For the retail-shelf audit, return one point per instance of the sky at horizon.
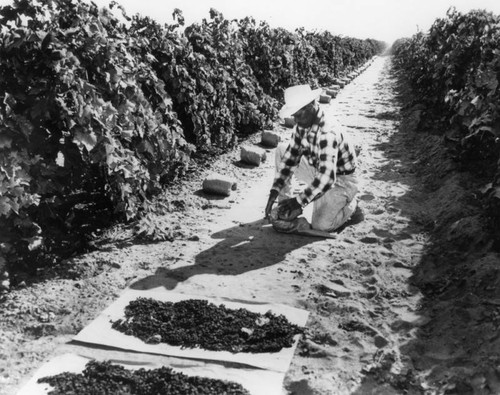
(385, 20)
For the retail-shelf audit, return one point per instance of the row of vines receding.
(455, 69)
(99, 111)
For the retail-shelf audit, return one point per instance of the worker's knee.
(329, 222)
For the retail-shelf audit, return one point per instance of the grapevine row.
(455, 69)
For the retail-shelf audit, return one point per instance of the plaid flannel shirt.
(325, 148)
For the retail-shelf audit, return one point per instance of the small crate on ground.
(218, 184)
(331, 92)
(325, 99)
(270, 138)
(252, 155)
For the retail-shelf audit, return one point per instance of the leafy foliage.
(81, 114)
(456, 68)
(214, 91)
(280, 58)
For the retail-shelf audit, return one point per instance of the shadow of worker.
(244, 248)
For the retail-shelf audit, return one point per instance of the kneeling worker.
(322, 156)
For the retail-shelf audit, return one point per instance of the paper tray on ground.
(255, 381)
(100, 331)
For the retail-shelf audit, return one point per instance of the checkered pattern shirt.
(325, 148)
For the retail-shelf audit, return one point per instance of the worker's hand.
(288, 207)
(272, 198)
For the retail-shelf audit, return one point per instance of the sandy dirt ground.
(406, 301)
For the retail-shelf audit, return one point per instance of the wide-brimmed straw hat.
(297, 97)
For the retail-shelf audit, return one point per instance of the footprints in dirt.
(333, 290)
(367, 197)
(358, 326)
(369, 240)
(363, 307)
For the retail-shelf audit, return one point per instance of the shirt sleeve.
(326, 170)
(291, 159)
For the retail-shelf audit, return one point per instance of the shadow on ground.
(239, 251)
